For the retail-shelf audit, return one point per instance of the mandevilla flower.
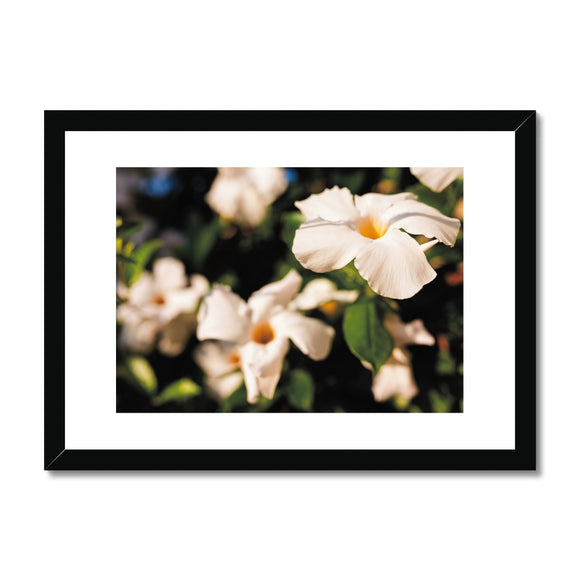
(161, 306)
(243, 194)
(341, 227)
(323, 294)
(437, 178)
(395, 377)
(260, 329)
(220, 362)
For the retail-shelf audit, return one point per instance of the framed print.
(294, 290)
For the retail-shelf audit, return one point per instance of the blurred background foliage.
(162, 212)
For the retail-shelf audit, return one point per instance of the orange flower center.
(372, 228)
(329, 307)
(262, 333)
(158, 300)
(234, 359)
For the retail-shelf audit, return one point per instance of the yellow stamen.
(371, 228)
(329, 307)
(262, 333)
(158, 300)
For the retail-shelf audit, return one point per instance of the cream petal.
(312, 336)
(223, 316)
(142, 292)
(178, 302)
(413, 332)
(223, 195)
(394, 265)
(278, 293)
(437, 178)
(169, 274)
(256, 361)
(319, 292)
(376, 203)
(175, 335)
(421, 219)
(222, 387)
(140, 335)
(395, 378)
(251, 208)
(217, 358)
(270, 182)
(336, 204)
(323, 246)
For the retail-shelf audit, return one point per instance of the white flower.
(243, 194)
(323, 294)
(395, 377)
(260, 329)
(341, 227)
(221, 363)
(161, 306)
(437, 178)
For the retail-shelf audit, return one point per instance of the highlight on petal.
(222, 387)
(437, 178)
(313, 337)
(336, 204)
(223, 316)
(394, 265)
(395, 378)
(377, 203)
(421, 219)
(270, 182)
(264, 359)
(322, 246)
(169, 274)
(278, 293)
(413, 332)
(319, 292)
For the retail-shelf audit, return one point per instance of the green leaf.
(237, 399)
(178, 391)
(300, 390)
(140, 258)
(142, 374)
(290, 223)
(441, 402)
(128, 228)
(126, 259)
(202, 237)
(366, 335)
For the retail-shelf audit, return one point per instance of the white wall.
(423, 55)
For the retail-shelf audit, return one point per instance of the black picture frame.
(522, 457)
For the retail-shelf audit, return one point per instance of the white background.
(91, 420)
(412, 55)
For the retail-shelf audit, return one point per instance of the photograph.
(289, 289)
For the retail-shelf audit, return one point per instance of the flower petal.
(270, 182)
(139, 335)
(421, 219)
(323, 246)
(278, 293)
(262, 366)
(141, 293)
(169, 274)
(175, 334)
(336, 204)
(312, 336)
(437, 178)
(217, 358)
(376, 203)
(395, 378)
(413, 332)
(223, 316)
(394, 265)
(222, 387)
(319, 292)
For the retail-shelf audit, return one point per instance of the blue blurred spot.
(158, 186)
(291, 174)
